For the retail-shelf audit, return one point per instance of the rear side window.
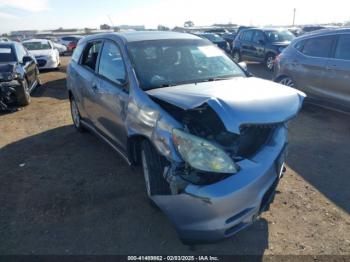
(319, 46)
(342, 50)
(90, 55)
(111, 64)
(259, 37)
(248, 36)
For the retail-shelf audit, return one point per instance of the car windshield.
(279, 36)
(162, 63)
(213, 37)
(37, 45)
(7, 54)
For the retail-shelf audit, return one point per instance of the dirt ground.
(62, 192)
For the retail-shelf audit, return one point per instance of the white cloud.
(28, 5)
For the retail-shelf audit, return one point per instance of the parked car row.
(261, 45)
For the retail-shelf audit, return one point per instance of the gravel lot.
(62, 192)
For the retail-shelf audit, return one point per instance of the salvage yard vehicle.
(19, 75)
(261, 45)
(215, 39)
(210, 139)
(45, 53)
(319, 65)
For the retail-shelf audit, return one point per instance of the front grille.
(253, 137)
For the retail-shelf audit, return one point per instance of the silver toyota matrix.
(211, 139)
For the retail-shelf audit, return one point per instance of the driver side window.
(90, 55)
(112, 64)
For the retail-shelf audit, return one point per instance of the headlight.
(201, 154)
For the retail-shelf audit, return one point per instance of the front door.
(112, 95)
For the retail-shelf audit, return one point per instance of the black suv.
(261, 45)
(19, 75)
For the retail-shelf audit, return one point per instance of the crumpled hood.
(237, 101)
(47, 52)
(7, 70)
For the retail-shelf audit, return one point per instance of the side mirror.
(243, 65)
(27, 59)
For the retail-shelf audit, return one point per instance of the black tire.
(76, 116)
(154, 164)
(269, 61)
(23, 94)
(236, 56)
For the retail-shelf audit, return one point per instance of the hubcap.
(146, 173)
(269, 62)
(75, 114)
(287, 81)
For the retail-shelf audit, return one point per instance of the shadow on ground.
(54, 89)
(322, 160)
(62, 192)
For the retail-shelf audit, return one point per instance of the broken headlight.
(201, 154)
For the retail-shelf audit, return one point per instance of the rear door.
(112, 95)
(312, 74)
(339, 72)
(88, 80)
(258, 45)
(246, 44)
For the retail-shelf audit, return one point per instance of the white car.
(45, 53)
(62, 49)
(4, 39)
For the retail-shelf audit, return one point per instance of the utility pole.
(294, 12)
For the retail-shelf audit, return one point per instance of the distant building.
(131, 27)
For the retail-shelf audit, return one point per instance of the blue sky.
(51, 14)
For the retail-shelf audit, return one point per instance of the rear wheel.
(76, 115)
(23, 94)
(287, 81)
(270, 61)
(153, 166)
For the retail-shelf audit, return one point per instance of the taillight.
(71, 45)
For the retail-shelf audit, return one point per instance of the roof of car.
(145, 36)
(7, 44)
(328, 31)
(36, 40)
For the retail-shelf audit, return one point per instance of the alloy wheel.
(287, 81)
(270, 62)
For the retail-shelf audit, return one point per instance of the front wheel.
(270, 62)
(23, 94)
(153, 167)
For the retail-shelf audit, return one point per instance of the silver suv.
(211, 140)
(319, 65)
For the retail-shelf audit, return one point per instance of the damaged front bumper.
(214, 212)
